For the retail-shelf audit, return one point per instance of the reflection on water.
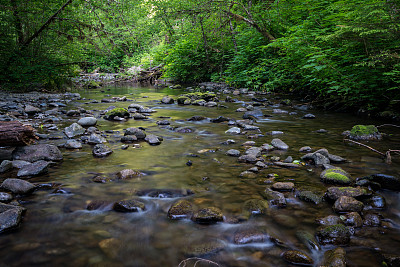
(59, 231)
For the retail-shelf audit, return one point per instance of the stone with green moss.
(199, 102)
(204, 248)
(183, 100)
(334, 193)
(92, 84)
(116, 112)
(310, 196)
(365, 132)
(335, 176)
(255, 206)
(181, 209)
(337, 234)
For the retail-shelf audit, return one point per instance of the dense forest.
(336, 50)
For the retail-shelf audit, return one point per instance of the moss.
(121, 112)
(92, 84)
(182, 99)
(335, 176)
(359, 130)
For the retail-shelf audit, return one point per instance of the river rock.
(165, 193)
(5, 166)
(283, 186)
(248, 159)
(252, 235)
(317, 158)
(305, 149)
(365, 132)
(131, 205)
(34, 169)
(163, 122)
(74, 130)
(31, 110)
(37, 152)
(310, 196)
(72, 144)
(205, 248)
(308, 239)
(140, 134)
(275, 198)
(347, 204)
(5, 197)
(352, 219)
(335, 258)
(233, 153)
(371, 219)
(182, 209)
(167, 100)
(297, 257)
(233, 130)
(279, 111)
(255, 206)
(255, 151)
(334, 193)
(337, 234)
(128, 139)
(386, 181)
(18, 186)
(19, 163)
(99, 205)
(279, 144)
(286, 165)
(101, 150)
(375, 202)
(139, 116)
(95, 139)
(335, 176)
(152, 139)
(111, 247)
(329, 220)
(128, 174)
(10, 217)
(87, 121)
(209, 215)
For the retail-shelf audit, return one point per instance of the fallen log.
(14, 133)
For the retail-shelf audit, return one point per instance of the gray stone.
(152, 139)
(72, 144)
(18, 186)
(347, 204)
(5, 197)
(101, 150)
(279, 144)
(34, 169)
(248, 158)
(317, 158)
(233, 153)
(275, 198)
(139, 116)
(87, 121)
(37, 152)
(233, 130)
(31, 110)
(136, 132)
(309, 116)
(74, 130)
(167, 100)
(19, 163)
(128, 138)
(305, 149)
(255, 151)
(10, 217)
(5, 165)
(95, 139)
(283, 186)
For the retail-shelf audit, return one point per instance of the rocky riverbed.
(130, 176)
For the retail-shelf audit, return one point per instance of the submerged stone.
(310, 196)
(182, 209)
(252, 235)
(209, 215)
(205, 248)
(334, 235)
(255, 206)
(347, 204)
(335, 258)
(308, 239)
(101, 150)
(131, 205)
(352, 219)
(297, 257)
(165, 193)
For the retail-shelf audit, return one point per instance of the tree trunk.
(14, 133)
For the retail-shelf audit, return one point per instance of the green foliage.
(359, 130)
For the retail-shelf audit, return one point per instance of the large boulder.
(279, 144)
(74, 130)
(34, 169)
(37, 152)
(167, 100)
(87, 121)
(10, 217)
(18, 186)
(140, 134)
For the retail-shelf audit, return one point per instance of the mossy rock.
(116, 112)
(183, 100)
(310, 196)
(199, 249)
(199, 102)
(337, 234)
(181, 209)
(92, 84)
(297, 257)
(255, 206)
(131, 205)
(365, 132)
(335, 176)
(208, 216)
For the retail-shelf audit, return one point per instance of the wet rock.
(266, 148)
(100, 179)
(5, 166)
(73, 113)
(286, 165)
(140, 134)
(163, 122)
(371, 219)
(18, 186)
(247, 174)
(337, 234)
(352, 219)
(233, 130)
(233, 153)
(329, 220)
(128, 174)
(289, 159)
(335, 176)
(253, 114)
(167, 100)
(101, 150)
(279, 144)
(116, 114)
(95, 139)
(201, 249)
(34, 169)
(5, 197)
(248, 159)
(317, 158)
(305, 149)
(184, 130)
(165, 193)
(310, 196)
(152, 139)
(283, 186)
(255, 206)
(386, 181)
(308, 239)
(391, 260)
(131, 205)
(297, 257)
(255, 151)
(111, 247)
(248, 236)
(275, 198)
(128, 139)
(279, 111)
(334, 193)
(139, 116)
(375, 202)
(99, 205)
(209, 215)
(365, 132)
(309, 116)
(6, 153)
(10, 217)
(37, 152)
(19, 163)
(31, 110)
(335, 258)
(87, 121)
(182, 209)
(347, 204)
(72, 144)
(253, 169)
(261, 165)
(74, 130)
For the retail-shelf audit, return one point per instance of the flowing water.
(58, 230)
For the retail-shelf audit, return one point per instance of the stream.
(59, 230)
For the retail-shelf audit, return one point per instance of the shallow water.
(57, 230)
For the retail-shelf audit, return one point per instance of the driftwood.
(14, 133)
(150, 75)
(387, 155)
